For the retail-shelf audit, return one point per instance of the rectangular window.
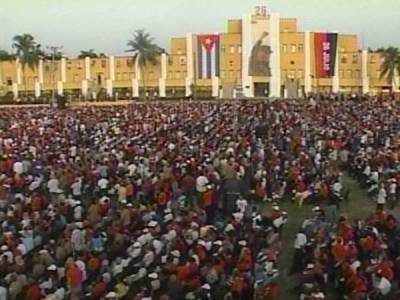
(222, 74)
(129, 63)
(357, 74)
(355, 59)
(293, 48)
(284, 48)
(341, 73)
(177, 75)
(292, 73)
(103, 63)
(232, 49)
(92, 62)
(118, 64)
(170, 74)
(300, 48)
(343, 60)
(76, 78)
(170, 61)
(182, 60)
(222, 49)
(239, 49)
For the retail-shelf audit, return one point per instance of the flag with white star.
(208, 56)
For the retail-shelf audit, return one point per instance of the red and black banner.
(325, 48)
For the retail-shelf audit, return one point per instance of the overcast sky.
(106, 25)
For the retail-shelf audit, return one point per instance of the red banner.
(325, 48)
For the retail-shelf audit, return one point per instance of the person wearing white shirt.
(18, 168)
(299, 245)
(381, 197)
(77, 189)
(52, 185)
(382, 284)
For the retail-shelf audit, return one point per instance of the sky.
(106, 25)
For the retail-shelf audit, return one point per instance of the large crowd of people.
(165, 201)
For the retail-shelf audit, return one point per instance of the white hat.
(229, 228)
(168, 218)
(152, 224)
(4, 248)
(111, 295)
(52, 268)
(137, 245)
(153, 275)
(218, 243)
(79, 224)
(206, 287)
(242, 243)
(176, 253)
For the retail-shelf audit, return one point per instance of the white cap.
(229, 228)
(153, 275)
(242, 243)
(111, 295)
(218, 243)
(206, 287)
(176, 253)
(152, 224)
(52, 268)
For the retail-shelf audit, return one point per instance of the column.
(215, 86)
(63, 70)
(40, 71)
(135, 87)
(275, 61)
(335, 78)
(247, 84)
(84, 87)
(60, 88)
(364, 72)
(307, 63)
(37, 88)
(189, 64)
(18, 65)
(15, 90)
(109, 87)
(109, 83)
(87, 67)
(163, 79)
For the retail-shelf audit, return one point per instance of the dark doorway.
(261, 89)
(98, 79)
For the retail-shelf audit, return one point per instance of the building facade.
(261, 54)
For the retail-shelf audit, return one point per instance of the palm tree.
(390, 67)
(145, 51)
(27, 51)
(87, 53)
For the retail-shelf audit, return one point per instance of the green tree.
(145, 51)
(5, 55)
(88, 53)
(27, 51)
(390, 67)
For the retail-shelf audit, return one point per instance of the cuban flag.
(208, 56)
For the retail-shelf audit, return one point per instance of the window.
(9, 81)
(117, 76)
(300, 48)
(170, 61)
(182, 60)
(293, 48)
(222, 74)
(170, 74)
(231, 74)
(179, 51)
(177, 75)
(76, 78)
(129, 63)
(341, 73)
(222, 48)
(357, 74)
(355, 59)
(118, 64)
(103, 63)
(284, 48)
(292, 73)
(92, 62)
(349, 74)
(232, 49)
(344, 59)
(151, 75)
(239, 49)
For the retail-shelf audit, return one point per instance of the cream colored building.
(291, 64)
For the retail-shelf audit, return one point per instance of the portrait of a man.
(260, 56)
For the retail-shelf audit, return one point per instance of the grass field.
(358, 206)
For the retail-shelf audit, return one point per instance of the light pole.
(54, 50)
